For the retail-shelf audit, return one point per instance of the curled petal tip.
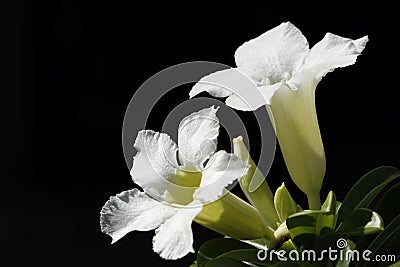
(361, 43)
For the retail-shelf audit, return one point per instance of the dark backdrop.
(73, 67)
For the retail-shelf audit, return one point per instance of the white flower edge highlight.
(132, 210)
(154, 166)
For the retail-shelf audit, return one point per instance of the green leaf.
(361, 222)
(305, 226)
(391, 247)
(385, 206)
(227, 250)
(225, 263)
(258, 242)
(366, 189)
(325, 241)
(250, 255)
(389, 236)
(386, 210)
(194, 264)
(396, 264)
(292, 264)
(216, 247)
(345, 262)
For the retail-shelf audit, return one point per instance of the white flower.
(282, 73)
(279, 58)
(188, 185)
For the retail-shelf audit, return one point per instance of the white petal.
(174, 239)
(268, 91)
(221, 170)
(241, 90)
(216, 84)
(155, 162)
(262, 98)
(361, 43)
(273, 55)
(332, 52)
(197, 137)
(239, 103)
(132, 210)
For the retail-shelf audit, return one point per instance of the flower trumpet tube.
(233, 217)
(296, 125)
(284, 73)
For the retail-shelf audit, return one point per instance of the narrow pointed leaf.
(216, 247)
(366, 189)
(390, 234)
(250, 255)
(386, 210)
(385, 206)
(227, 250)
(224, 262)
(361, 222)
(391, 247)
(389, 243)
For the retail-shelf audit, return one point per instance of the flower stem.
(314, 201)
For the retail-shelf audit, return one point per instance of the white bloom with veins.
(282, 72)
(189, 185)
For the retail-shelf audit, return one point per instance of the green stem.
(314, 201)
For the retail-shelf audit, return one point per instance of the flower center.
(284, 78)
(187, 178)
(185, 184)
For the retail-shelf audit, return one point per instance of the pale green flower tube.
(233, 217)
(296, 125)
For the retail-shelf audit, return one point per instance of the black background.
(73, 67)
